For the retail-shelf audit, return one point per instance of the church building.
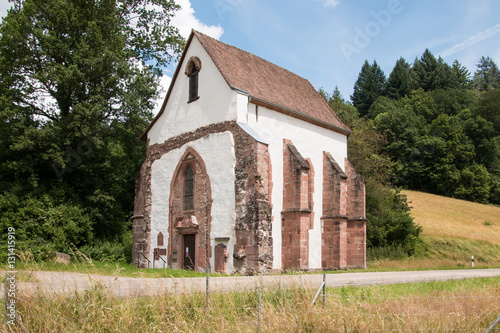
(246, 172)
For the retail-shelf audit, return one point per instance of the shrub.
(41, 226)
(390, 224)
(119, 250)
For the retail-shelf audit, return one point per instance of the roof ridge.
(270, 83)
(252, 55)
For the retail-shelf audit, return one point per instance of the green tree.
(489, 107)
(79, 79)
(390, 224)
(437, 145)
(487, 75)
(430, 73)
(369, 85)
(453, 101)
(460, 76)
(399, 82)
(347, 113)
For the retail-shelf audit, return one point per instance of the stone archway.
(190, 214)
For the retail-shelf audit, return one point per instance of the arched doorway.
(190, 214)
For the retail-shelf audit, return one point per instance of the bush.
(41, 226)
(111, 251)
(394, 252)
(390, 224)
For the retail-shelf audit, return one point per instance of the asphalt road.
(65, 282)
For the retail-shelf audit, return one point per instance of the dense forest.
(79, 80)
(428, 127)
(78, 83)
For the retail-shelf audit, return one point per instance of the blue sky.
(327, 41)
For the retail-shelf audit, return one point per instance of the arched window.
(192, 69)
(193, 85)
(189, 189)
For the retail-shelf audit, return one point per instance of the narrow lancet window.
(193, 86)
(192, 72)
(189, 189)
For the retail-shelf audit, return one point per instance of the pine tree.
(461, 77)
(430, 73)
(399, 82)
(337, 94)
(487, 75)
(369, 85)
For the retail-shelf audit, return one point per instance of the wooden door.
(189, 251)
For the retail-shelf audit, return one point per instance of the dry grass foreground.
(459, 306)
(446, 217)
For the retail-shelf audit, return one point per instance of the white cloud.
(329, 3)
(471, 41)
(4, 6)
(185, 20)
(164, 84)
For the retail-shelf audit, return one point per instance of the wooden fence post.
(260, 310)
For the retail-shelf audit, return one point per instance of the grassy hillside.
(453, 231)
(446, 217)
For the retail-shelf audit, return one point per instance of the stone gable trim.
(302, 162)
(189, 68)
(335, 165)
(156, 151)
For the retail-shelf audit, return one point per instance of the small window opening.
(193, 83)
(189, 189)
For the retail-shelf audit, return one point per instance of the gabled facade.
(246, 171)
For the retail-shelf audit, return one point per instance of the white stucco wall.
(311, 141)
(217, 102)
(217, 151)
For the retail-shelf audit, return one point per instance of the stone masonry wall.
(141, 221)
(253, 251)
(296, 214)
(334, 218)
(253, 246)
(356, 225)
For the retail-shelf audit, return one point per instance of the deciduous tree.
(79, 79)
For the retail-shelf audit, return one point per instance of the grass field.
(452, 218)
(453, 231)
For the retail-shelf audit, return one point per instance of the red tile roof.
(267, 84)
